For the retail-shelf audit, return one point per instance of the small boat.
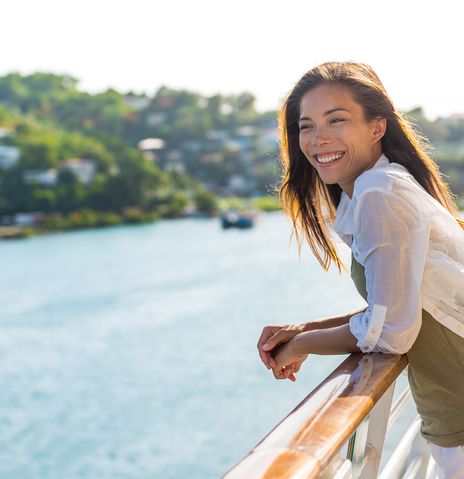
(234, 219)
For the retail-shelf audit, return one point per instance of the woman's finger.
(282, 335)
(265, 356)
(267, 332)
(287, 372)
(276, 339)
(284, 373)
(296, 366)
(270, 361)
(267, 359)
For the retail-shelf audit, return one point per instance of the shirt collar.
(343, 224)
(381, 162)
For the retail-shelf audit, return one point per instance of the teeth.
(328, 158)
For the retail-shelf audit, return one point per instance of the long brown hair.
(303, 194)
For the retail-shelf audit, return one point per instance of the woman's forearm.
(333, 340)
(331, 322)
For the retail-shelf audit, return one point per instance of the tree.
(206, 202)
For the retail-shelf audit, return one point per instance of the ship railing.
(338, 431)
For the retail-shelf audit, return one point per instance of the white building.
(28, 219)
(9, 156)
(222, 135)
(84, 170)
(268, 139)
(4, 132)
(155, 119)
(151, 144)
(238, 183)
(137, 102)
(41, 177)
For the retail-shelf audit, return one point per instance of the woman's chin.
(328, 179)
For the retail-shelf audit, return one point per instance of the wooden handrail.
(305, 441)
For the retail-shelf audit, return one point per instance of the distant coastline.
(85, 219)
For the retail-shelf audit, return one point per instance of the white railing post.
(378, 424)
(357, 447)
(418, 459)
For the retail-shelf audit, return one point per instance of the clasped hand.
(276, 349)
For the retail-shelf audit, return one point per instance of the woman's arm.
(392, 240)
(332, 340)
(336, 340)
(392, 235)
(330, 322)
(273, 336)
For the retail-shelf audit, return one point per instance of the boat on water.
(235, 219)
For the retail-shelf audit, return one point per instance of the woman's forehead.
(325, 98)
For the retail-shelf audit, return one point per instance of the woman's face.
(335, 137)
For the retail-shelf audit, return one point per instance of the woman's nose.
(321, 137)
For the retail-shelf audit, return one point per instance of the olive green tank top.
(435, 374)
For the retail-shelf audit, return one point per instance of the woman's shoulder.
(389, 190)
(383, 177)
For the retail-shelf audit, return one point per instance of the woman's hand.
(272, 336)
(287, 361)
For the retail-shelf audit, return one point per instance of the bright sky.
(261, 46)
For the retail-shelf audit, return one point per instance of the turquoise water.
(130, 352)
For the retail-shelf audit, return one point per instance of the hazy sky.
(260, 46)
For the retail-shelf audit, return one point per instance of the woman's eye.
(305, 127)
(337, 120)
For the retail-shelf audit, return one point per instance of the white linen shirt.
(412, 249)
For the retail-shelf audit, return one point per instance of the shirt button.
(356, 254)
(373, 330)
(365, 348)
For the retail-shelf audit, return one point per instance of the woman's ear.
(379, 126)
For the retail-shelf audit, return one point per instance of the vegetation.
(204, 154)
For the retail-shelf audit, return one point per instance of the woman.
(349, 155)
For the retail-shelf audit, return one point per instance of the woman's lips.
(331, 161)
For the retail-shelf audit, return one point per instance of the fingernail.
(266, 346)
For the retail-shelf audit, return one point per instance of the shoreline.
(22, 232)
(87, 219)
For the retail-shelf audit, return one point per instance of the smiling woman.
(338, 142)
(349, 155)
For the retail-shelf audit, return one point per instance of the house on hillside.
(41, 177)
(83, 169)
(5, 131)
(29, 219)
(9, 156)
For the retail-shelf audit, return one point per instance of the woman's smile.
(335, 137)
(327, 159)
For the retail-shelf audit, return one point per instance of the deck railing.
(338, 430)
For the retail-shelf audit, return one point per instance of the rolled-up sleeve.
(391, 240)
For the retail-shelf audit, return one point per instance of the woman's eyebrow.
(328, 112)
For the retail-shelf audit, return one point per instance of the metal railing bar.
(397, 462)
(399, 405)
(431, 469)
(357, 447)
(344, 472)
(414, 467)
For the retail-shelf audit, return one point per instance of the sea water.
(130, 352)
